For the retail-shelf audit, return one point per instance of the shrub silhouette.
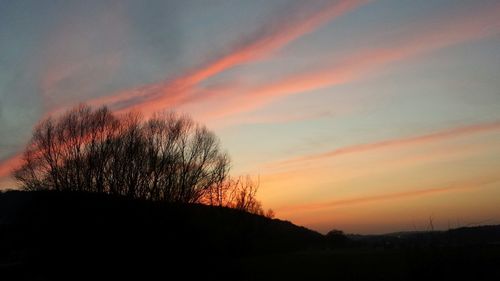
(336, 238)
(165, 158)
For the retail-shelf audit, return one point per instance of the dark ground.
(76, 236)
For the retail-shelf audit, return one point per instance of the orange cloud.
(450, 133)
(274, 37)
(472, 184)
(423, 39)
(8, 165)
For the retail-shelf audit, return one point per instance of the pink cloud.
(165, 94)
(420, 40)
(245, 98)
(8, 165)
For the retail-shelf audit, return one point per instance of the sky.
(365, 116)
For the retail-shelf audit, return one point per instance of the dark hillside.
(85, 236)
(51, 234)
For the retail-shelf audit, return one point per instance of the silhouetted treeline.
(164, 158)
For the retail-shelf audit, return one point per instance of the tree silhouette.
(336, 238)
(245, 198)
(238, 193)
(167, 157)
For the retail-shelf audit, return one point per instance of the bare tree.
(167, 157)
(270, 213)
(246, 191)
(68, 152)
(238, 193)
(222, 194)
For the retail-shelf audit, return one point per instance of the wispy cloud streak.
(472, 184)
(270, 39)
(432, 137)
(419, 40)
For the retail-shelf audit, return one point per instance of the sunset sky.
(365, 116)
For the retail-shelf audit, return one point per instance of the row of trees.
(164, 158)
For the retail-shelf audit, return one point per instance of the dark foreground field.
(467, 263)
(75, 236)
